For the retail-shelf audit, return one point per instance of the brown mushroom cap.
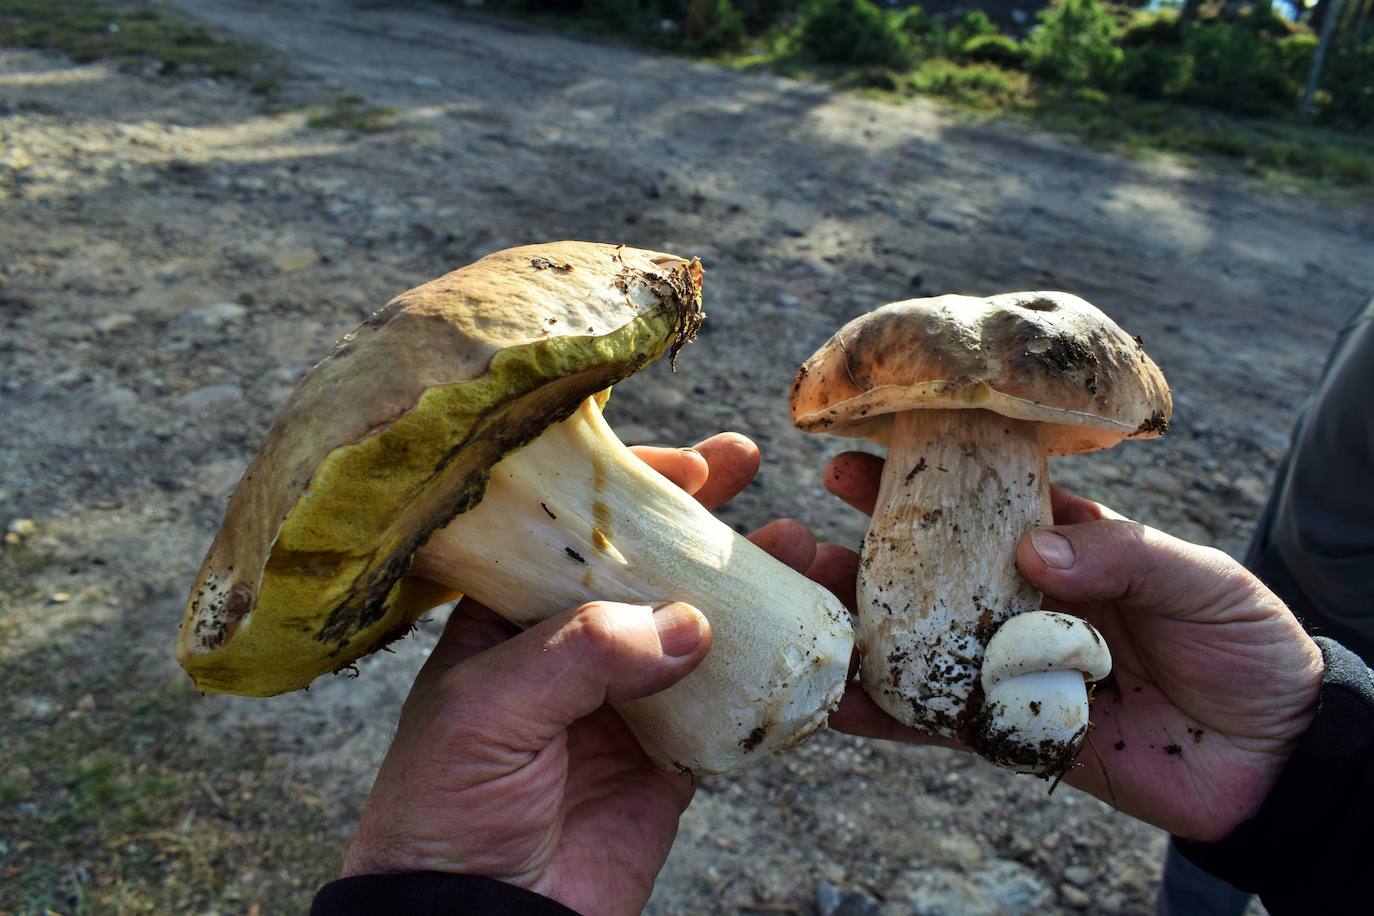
(1040, 356)
(394, 433)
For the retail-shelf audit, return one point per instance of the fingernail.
(1055, 550)
(679, 628)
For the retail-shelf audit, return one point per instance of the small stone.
(349, 296)
(1072, 896)
(1015, 888)
(1160, 480)
(943, 221)
(68, 378)
(635, 434)
(1131, 878)
(666, 398)
(1254, 490)
(116, 400)
(787, 303)
(40, 709)
(843, 901)
(210, 396)
(295, 259)
(59, 597)
(22, 528)
(212, 316)
(998, 887)
(1078, 875)
(108, 324)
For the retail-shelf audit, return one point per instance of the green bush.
(917, 22)
(980, 85)
(853, 32)
(1002, 50)
(1159, 28)
(1236, 68)
(973, 24)
(1154, 71)
(1348, 78)
(710, 26)
(761, 15)
(1074, 44)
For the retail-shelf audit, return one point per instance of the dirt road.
(174, 253)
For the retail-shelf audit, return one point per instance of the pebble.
(999, 887)
(844, 901)
(943, 221)
(1078, 875)
(1254, 490)
(1072, 896)
(1170, 483)
(295, 259)
(22, 528)
(213, 316)
(209, 396)
(635, 434)
(40, 709)
(787, 303)
(665, 398)
(108, 324)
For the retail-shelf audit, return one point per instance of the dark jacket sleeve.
(426, 893)
(1307, 849)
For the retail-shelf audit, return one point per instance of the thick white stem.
(938, 575)
(575, 517)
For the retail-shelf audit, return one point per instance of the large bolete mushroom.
(454, 443)
(970, 396)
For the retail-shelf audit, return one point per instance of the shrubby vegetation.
(1223, 82)
(1251, 63)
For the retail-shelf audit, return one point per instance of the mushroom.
(970, 396)
(454, 443)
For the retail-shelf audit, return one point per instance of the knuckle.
(595, 629)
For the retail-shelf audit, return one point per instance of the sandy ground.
(174, 253)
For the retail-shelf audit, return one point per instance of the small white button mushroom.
(1035, 700)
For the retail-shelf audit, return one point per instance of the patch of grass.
(352, 112)
(130, 33)
(110, 802)
(1284, 150)
(976, 85)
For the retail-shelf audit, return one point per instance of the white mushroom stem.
(575, 517)
(939, 576)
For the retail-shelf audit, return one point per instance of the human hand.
(507, 762)
(1213, 680)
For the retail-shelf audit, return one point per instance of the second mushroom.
(970, 396)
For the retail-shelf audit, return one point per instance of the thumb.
(536, 684)
(1134, 566)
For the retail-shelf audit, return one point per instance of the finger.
(1134, 566)
(836, 568)
(788, 540)
(472, 628)
(1071, 509)
(733, 460)
(854, 478)
(523, 692)
(857, 714)
(685, 467)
